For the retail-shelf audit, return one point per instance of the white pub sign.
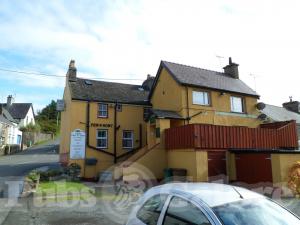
(77, 144)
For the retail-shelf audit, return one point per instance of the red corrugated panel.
(206, 136)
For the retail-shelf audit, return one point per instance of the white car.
(207, 204)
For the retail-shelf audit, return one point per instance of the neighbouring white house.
(13, 116)
(9, 130)
(21, 112)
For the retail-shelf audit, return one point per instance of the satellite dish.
(260, 105)
(262, 116)
(88, 82)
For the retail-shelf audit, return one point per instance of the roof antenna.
(241, 196)
(220, 59)
(254, 78)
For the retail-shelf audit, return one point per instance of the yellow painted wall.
(169, 95)
(230, 166)
(185, 159)
(155, 161)
(202, 166)
(219, 112)
(74, 117)
(281, 163)
(129, 118)
(195, 162)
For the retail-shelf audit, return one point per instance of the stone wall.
(30, 138)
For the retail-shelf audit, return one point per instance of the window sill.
(238, 112)
(202, 105)
(102, 148)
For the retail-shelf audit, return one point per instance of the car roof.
(212, 194)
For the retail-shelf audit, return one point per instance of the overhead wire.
(61, 76)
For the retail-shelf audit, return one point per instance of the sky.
(126, 39)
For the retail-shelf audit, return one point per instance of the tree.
(47, 118)
(49, 112)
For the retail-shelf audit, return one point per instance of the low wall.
(195, 162)
(153, 162)
(281, 164)
(30, 138)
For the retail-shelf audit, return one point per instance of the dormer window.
(201, 98)
(102, 110)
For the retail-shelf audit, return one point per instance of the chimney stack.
(10, 100)
(293, 106)
(72, 71)
(232, 69)
(147, 84)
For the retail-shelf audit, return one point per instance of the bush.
(30, 128)
(11, 149)
(33, 176)
(73, 170)
(294, 178)
(46, 175)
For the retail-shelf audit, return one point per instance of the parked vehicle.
(207, 203)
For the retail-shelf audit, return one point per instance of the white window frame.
(102, 138)
(131, 138)
(234, 108)
(205, 98)
(101, 110)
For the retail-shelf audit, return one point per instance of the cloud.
(127, 39)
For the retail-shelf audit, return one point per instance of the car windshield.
(255, 212)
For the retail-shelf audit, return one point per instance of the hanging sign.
(77, 144)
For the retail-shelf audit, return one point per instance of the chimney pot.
(232, 69)
(72, 71)
(293, 106)
(10, 100)
(72, 64)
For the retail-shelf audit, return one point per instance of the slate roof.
(193, 76)
(84, 89)
(165, 114)
(18, 110)
(5, 121)
(277, 113)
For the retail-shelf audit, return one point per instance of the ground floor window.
(127, 139)
(101, 138)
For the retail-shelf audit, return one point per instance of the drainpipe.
(115, 133)
(88, 131)
(187, 105)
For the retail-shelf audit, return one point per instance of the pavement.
(13, 168)
(105, 209)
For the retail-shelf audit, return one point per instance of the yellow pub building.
(125, 124)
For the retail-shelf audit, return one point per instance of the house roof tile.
(18, 110)
(193, 76)
(91, 90)
(278, 113)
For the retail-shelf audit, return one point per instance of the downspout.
(88, 131)
(187, 105)
(115, 133)
(134, 149)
